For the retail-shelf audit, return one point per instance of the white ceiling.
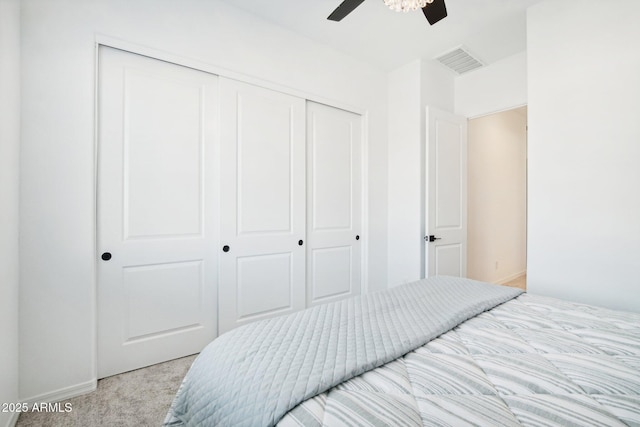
(489, 29)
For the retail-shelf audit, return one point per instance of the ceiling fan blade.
(345, 8)
(435, 11)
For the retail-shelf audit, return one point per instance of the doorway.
(497, 198)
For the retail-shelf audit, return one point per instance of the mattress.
(439, 352)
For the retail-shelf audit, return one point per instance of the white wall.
(496, 87)
(405, 169)
(411, 88)
(497, 197)
(9, 202)
(584, 151)
(437, 87)
(57, 310)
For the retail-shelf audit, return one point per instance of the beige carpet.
(137, 398)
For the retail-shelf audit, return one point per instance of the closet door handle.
(357, 237)
(225, 248)
(300, 243)
(106, 256)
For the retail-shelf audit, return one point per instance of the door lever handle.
(431, 238)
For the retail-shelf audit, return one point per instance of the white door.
(155, 216)
(262, 269)
(446, 239)
(334, 140)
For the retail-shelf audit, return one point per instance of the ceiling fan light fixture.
(406, 5)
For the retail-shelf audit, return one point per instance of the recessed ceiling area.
(491, 29)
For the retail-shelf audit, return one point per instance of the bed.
(442, 351)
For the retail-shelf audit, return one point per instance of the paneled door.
(446, 250)
(157, 272)
(262, 253)
(334, 143)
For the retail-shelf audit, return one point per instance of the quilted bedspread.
(531, 361)
(255, 374)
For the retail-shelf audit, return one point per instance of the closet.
(218, 203)
(290, 203)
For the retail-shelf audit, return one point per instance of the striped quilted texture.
(255, 374)
(531, 361)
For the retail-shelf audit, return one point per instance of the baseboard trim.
(13, 419)
(64, 393)
(511, 277)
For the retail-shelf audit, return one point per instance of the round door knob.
(225, 248)
(106, 256)
(357, 237)
(300, 243)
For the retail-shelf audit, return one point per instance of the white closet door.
(262, 267)
(334, 141)
(157, 263)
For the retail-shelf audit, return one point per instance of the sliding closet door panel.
(334, 139)
(262, 264)
(156, 188)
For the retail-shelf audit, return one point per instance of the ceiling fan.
(434, 11)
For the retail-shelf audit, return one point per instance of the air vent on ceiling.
(459, 60)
